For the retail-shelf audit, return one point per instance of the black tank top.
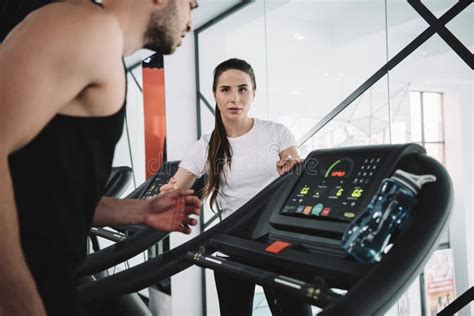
(58, 180)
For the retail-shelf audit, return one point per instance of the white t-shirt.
(254, 157)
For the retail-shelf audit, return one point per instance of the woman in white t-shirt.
(240, 157)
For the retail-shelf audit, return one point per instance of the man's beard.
(159, 35)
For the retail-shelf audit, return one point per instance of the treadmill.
(288, 236)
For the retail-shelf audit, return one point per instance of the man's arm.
(167, 212)
(41, 70)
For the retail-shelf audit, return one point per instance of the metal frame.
(410, 48)
(458, 303)
(443, 32)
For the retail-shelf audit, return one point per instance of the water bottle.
(367, 236)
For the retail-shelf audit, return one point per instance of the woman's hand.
(172, 210)
(286, 164)
(170, 186)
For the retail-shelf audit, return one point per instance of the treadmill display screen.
(153, 189)
(332, 188)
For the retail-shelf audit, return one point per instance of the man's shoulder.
(78, 25)
(86, 13)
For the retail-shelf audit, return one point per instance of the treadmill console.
(153, 189)
(334, 189)
(161, 177)
(334, 186)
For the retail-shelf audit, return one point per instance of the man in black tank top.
(57, 139)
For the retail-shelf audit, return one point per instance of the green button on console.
(317, 209)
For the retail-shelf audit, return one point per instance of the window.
(427, 128)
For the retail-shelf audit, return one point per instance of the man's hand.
(286, 164)
(171, 211)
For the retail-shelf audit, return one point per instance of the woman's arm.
(182, 179)
(288, 159)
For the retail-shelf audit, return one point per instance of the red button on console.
(277, 246)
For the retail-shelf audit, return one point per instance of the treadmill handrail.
(315, 293)
(107, 234)
(170, 262)
(120, 251)
(298, 260)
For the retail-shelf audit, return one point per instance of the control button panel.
(334, 190)
(367, 170)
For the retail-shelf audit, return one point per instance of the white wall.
(181, 130)
(180, 95)
(471, 184)
(134, 151)
(459, 140)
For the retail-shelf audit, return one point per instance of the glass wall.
(309, 56)
(241, 35)
(318, 53)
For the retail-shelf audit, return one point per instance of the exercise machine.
(287, 237)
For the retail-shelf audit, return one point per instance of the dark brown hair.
(219, 152)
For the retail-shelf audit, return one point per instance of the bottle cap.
(412, 181)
